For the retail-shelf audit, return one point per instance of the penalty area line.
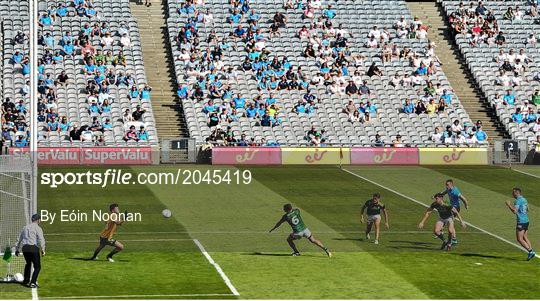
(425, 205)
(217, 267)
(137, 296)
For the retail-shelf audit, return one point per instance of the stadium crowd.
(341, 71)
(103, 64)
(480, 26)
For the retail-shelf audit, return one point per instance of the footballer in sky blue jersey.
(455, 196)
(520, 208)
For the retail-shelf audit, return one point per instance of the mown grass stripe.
(137, 296)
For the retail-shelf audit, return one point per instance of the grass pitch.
(231, 221)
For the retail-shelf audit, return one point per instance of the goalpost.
(18, 173)
(16, 207)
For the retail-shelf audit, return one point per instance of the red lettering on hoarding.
(317, 156)
(455, 156)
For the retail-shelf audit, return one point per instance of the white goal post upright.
(18, 172)
(34, 28)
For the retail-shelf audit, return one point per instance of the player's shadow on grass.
(98, 260)
(416, 245)
(350, 239)
(486, 256)
(480, 255)
(425, 248)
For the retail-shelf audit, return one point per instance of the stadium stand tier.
(90, 72)
(265, 72)
(498, 41)
(207, 36)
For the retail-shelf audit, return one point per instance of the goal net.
(15, 210)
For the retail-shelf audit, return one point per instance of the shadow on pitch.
(476, 255)
(414, 245)
(350, 239)
(480, 255)
(423, 248)
(98, 260)
(277, 254)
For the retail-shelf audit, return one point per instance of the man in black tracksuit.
(31, 240)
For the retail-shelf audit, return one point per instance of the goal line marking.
(425, 205)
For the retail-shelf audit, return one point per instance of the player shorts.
(458, 209)
(522, 226)
(373, 218)
(107, 242)
(304, 233)
(446, 221)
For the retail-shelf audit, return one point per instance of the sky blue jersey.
(453, 195)
(522, 209)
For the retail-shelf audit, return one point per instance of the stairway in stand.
(455, 68)
(157, 58)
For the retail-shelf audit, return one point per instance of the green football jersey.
(295, 220)
(372, 208)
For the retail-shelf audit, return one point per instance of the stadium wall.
(348, 156)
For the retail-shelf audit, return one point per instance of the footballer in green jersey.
(446, 218)
(373, 209)
(293, 218)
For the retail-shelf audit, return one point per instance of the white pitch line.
(139, 296)
(525, 173)
(217, 267)
(425, 205)
(35, 294)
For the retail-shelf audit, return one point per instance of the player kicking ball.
(106, 236)
(446, 213)
(520, 208)
(373, 210)
(292, 216)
